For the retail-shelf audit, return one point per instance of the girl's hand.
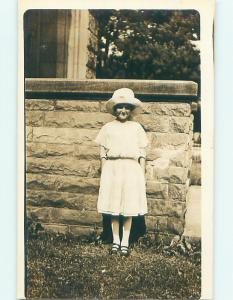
(142, 163)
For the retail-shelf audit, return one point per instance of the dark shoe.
(124, 251)
(115, 248)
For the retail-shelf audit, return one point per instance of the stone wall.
(62, 161)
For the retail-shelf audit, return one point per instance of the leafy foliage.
(148, 44)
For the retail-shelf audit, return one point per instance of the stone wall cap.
(104, 88)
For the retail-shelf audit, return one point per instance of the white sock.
(126, 231)
(115, 230)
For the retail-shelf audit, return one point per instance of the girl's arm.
(142, 162)
(103, 156)
(143, 142)
(103, 160)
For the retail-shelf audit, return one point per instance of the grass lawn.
(64, 267)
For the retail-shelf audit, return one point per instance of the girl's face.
(123, 112)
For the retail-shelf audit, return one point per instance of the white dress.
(122, 183)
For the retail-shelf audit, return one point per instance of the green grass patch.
(61, 266)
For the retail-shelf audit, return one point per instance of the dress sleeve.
(142, 152)
(101, 138)
(142, 137)
(142, 141)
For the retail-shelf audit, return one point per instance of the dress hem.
(121, 214)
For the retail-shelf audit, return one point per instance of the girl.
(122, 150)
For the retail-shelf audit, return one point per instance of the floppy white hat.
(126, 96)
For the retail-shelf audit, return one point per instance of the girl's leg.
(115, 230)
(126, 231)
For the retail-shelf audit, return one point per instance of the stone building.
(60, 44)
(64, 109)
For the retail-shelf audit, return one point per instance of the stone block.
(153, 154)
(175, 225)
(161, 163)
(164, 224)
(149, 175)
(34, 118)
(180, 124)
(103, 106)
(163, 173)
(64, 135)
(56, 228)
(37, 104)
(78, 230)
(75, 217)
(72, 119)
(87, 152)
(175, 141)
(178, 158)
(156, 223)
(39, 214)
(171, 89)
(61, 199)
(41, 182)
(158, 170)
(42, 150)
(167, 109)
(28, 133)
(178, 175)
(177, 192)
(63, 166)
(156, 189)
(150, 136)
(153, 123)
(158, 207)
(77, 105)
(72, 184)
(65, 216)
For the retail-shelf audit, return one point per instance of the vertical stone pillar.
(63, 28)
(82, 43)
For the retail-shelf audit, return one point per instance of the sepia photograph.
(112, 191)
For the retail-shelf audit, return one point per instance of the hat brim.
(134, 102)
